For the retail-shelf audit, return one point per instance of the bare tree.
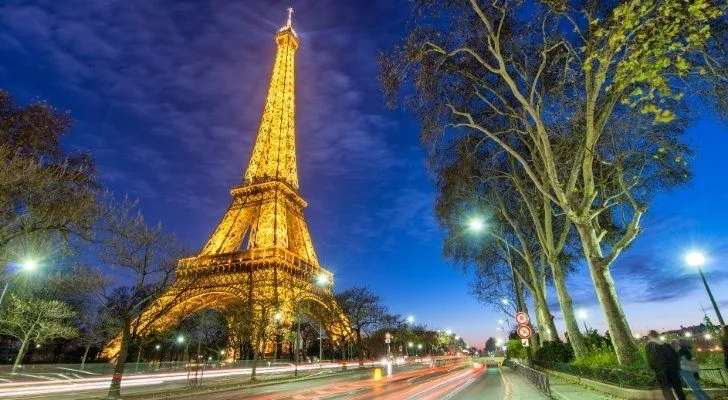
(365, 312)
(146, 257)
(586, 97)
(45, 192)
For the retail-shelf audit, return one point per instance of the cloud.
(181, 89)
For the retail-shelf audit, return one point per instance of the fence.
(715, 376)
(537, 379)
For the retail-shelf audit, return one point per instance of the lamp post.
(582, 315)
(697, 260)
(28, 265)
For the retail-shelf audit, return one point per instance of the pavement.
(564, 390)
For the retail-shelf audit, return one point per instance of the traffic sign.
(521, 318)
(524, 342)
(524, 331)
(387, 337)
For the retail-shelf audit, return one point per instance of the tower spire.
(274, 153)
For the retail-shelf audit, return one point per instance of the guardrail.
(537, 379)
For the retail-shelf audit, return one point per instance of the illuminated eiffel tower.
(261, 251)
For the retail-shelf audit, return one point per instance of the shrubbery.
(557, 351)
(514, 349)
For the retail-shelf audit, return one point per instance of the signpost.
(524, 331)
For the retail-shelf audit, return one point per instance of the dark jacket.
(661, 356)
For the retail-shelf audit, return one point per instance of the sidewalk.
(564, 390)
(518, 388)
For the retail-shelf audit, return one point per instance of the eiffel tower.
(261, 251)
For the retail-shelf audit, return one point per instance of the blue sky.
(168, 96)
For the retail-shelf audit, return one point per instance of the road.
(458, 382)
(462, 380)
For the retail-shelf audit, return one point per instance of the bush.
(557, 351)
(599, 356)
(514, 349)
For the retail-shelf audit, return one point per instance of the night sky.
(168, 96)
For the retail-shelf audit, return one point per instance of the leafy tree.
(31, 319)
(45, 192)
(490, 345)
(365, 311)
(586, 97)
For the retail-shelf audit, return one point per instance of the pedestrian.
(724, 343)
(663, 360)
(689, 370)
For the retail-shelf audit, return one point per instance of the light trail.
(17, 389)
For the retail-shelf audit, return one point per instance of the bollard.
(377, 374)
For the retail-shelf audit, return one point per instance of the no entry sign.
(521, 318)
(524, 331)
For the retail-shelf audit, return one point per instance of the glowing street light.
(410, 344)
(476, 224)
(708, 336)
(504, 302)
(582, 315)
(500, 321)
(157, 347)
(688, 334)
(180, 339)
(697, 260)
(448, 332)
(322, 280)
(410, 319)
(277, 316)
(29, 265)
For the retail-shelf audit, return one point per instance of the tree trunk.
(85, 355)
(115, 386)
(361, 350)
(138, 357)
(567, 310)
(547, 328)
(619, 330)
(21, 354)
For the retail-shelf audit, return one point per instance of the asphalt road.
(462, 380)
(450, 382)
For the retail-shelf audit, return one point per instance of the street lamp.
(410, 319)
(582, 315)
(27, 265)
(277, 316)
(476, 224)
(322, 280)
(448, 332)
(697, 260)
(504, 302)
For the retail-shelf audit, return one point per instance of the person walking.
(724, 343)
(664, 361)
(689, 370)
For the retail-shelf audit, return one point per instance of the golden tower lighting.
(261, 251)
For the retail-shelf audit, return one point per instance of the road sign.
(524, 331)
(521, 318)
(524, 342)
(387, 337)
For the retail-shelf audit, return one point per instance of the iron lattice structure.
(261, 252)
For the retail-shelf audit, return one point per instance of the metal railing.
(537, 379)
(716, 376)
